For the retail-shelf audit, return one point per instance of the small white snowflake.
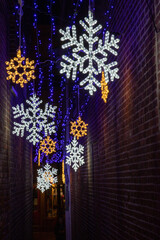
(76, 152)
(34, 120)
(46, 177)
(91, 61)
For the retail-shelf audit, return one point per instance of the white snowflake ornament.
(46, 177)
(90, 61)
(76, 152)
(34, 120)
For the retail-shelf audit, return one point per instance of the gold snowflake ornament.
(104, 88)
(78, 128)
(47, 145)
(20, 70)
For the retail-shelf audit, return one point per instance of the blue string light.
(37, 46)
(50, 49)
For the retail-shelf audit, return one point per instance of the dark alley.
(80, 119)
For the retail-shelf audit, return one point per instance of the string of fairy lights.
(76, 103)
(63, 121)
(50, 4)
(38, 43)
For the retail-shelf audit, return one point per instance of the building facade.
(15, 152)
(115, 195)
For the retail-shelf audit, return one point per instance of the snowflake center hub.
(90, 54)
(20, 70)
(34, 119)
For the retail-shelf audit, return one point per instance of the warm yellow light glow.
(20, 70)
(104, 88)
(47, 145)
(39, 155)
(48, 176)
(63, 175)
(78, 128)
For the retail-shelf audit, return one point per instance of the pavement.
(44, 236)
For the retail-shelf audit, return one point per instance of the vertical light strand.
(38, 66)
(78, 99)
(50, 49)
(37, 51)
(66, 117)
(20, 18)
(17, 13)
(91, 6)
(108, 15)
(51, 64)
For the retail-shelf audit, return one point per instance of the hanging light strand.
(21, 4)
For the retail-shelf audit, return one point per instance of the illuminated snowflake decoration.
(76, 152)
(46, 177)
(47, 146)
(93, 60)
(20, 70)
(104, 88)
(34, 120)
(78, 128)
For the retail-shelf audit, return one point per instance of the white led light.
(34, 120)
(46, 177)
(96, 57)
(76, 152)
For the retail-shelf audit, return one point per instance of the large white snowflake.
(89, 53)
(34, 120)
(46, 177)
(76, 152)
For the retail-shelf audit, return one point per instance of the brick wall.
(15, 152)
(157, 50)
(115, 195)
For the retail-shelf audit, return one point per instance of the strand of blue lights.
(62, 122)
(37, 65)
(74, 88)
(50, 49)
(37, 48)
(108, 15)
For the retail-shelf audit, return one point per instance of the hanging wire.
(21, 3)
(78, 100)
(91, 5)
(20, 27)
(152, 18)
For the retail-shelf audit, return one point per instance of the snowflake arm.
(110, 72)
(34, 101)
(18, 129)
(72, 64)
(90, 87)
(68, 67)
(72, 38)
(50, 110)
(110, 43)
(18, 111)
(33, 136)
